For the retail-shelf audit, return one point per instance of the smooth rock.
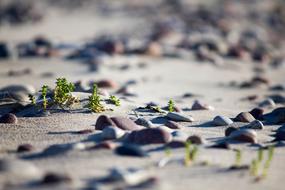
(277, 116)
(109, 133)
(197, 105)
(25, 148)
(12, 89)
(103, 121)
(267, 103)
(244, 117)
(195, 139)
(257, 113)
(277, 98)
(106, 84)
(256, 124)
(244, 135)
(229, 130)
(130, 150)
(175, 144)
(9, 118)
(150, 136)
(222, 121)
(143, 122)
(125, 123)
(55, 178)
(221, 145)
(172, 125)
(179, 117)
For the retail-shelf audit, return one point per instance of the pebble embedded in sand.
(54, 178)
(176, 144)
(179, 117)
(277, 116)
(144, 122)
(222, 121)
(172, 125)
(150, 136)
(256, 124)
(106, 84)
(195, 139)
(109, 133)
(125, 123)
(9, 118)
(25, 148)
(244, 117)
(229, 130)
(244, 135)
(103, 121)
(257, 113)
(197, 105)
(130, 150)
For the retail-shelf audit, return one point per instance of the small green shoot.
(114, 100)
(190, 153)
(44, 95)
(62, 91)
(171, 105)
(95, 101)
(260, 155)
(254, 167)
(268, 161)
(193, 153)
(32, 98)
(238, 158)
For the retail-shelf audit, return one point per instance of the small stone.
(257, 113)
(9, 118)
(54, 178)
(172, 125)
(229, 130)
(106, 84)
(109, 133)
(222, 121)
(195, 139)
(277, 116)
(244, 117)
(244, 135)
(125, 123)
(150, 136)
(280, 134)
(143, 122)
(267, 103)
(130, 150)
(197, 105)
(176, 144)
(256, 124)
(103, 121)
(277, 98)
(179, 117)
(25, 148)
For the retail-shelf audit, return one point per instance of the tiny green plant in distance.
(44, 95)
(255, 164)
(190, 153)
(32, 99)
(114, 100)
(95, 101)
(62, 91)
(268, 161)
(238, 158)
(171, 105)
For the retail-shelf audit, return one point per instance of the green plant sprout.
(95, 101)
(44, 95)
(32, 99)
(238, 158)
(114, 100)
(254, 167)
(260, 155)
(190, 154)
(171, 105)
(62, 91)
(268, 161)
(193, 153)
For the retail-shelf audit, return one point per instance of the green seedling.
(32, 98)
(95, 101)
(260, 155)
(254, 167)
(193, 153)
(238, 158)
(115, 100)
(44, 95)
(171, 105)
(268, 161)
(62, 92)
(190, 153)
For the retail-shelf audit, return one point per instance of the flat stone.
(109, 133)
(256, 124)
(143, 122)
(179, 117)
(222, 121)
(244, 135)
(130, 150)
(277, 116)
(150, 136)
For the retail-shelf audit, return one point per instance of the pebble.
(197, 105)
(221, 145)
(222, 121)
(280, 134)
(109, 133)
(244, 135)
(172, 125)
(229, 130)
(106, 84)
(277, 98)
(257, 113)
(179, 117)
(267, 103)
(195, 139)
(55, 178)
(277, 116)
(18, 168)
(176, 144)
(13, 89)
(103, 121)
(125, 123)
(9, 118)
(244, 117)
(150, 136)
(143, 122)
(256, 124)
(25, 148)
(130, 150)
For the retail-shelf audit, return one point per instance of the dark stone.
(244, 117)
(25, 148)
(277, 116)
(229, 130)
(149, 136)
(195, 139)
(125, 123)
(130, 150)
(172, 125)
(53, 178)
(257, 113)
(103, 121)
(9, 118)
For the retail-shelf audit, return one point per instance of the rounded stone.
(25, 148)
(125, 123)
(9, 118)
(197, 105)
(229, 130)
(244, 135)
(130, 150)
(257, 113)
(143, 122)
(53, 178)
(256, 124)
(150, 136)
(175, 144)
(172, 125)
(175, 116)
(195, 139)
(222, 121)
(109, 133)
(244, 117)
(103, 121)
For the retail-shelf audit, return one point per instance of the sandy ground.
(162, 79)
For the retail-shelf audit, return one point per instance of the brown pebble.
(172, 125)
(9, 118)
(106, 84)
(195, 139)
(53, 178)
(257, 113)
(229, 130)
(150, 136)
(103, 121)
(244, 135)
(244, 117)
(176, 144)
(25, 148)
(125, 123)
